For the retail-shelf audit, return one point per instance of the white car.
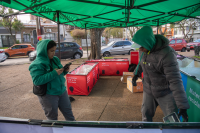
(3, 56)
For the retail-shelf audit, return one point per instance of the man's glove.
(183, 113)
(134, 79)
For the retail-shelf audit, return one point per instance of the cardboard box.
(134, 89)
(126, 75)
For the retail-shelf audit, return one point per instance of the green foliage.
(117, 32)
(108, 58)
(172, 25)
(4, 47)
(77, 33)
(7, 21)
(17, 25)
(106, 33)
(114, 32)
(17, 42)
(197, 57)
(10, 22)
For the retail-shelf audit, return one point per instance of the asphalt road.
(25, 59)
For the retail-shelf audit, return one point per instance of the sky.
(24, 18)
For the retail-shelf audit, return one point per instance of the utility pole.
(126, 32)
(38, 29)
(58, 25)
(38, 26)
(157, 25)
(64, 31)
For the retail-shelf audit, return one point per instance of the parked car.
(116, 48)
(19, 50)
(3, 56)
(67, 49)
(178, 44)
(192, 44)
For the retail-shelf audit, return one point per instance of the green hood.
(42, 49)
(145, 38)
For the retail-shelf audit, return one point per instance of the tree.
(7, 22)
(10, 22)
(17, 25)
(77, 34)
(161, 32)
(133, 30)
(192, 24)
(114, 32)
(96, 43)
(117, 32)
(106, 34)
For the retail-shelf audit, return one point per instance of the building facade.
(5, 37)
(28, 35)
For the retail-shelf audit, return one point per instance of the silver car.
(3, 56)
(117, 47)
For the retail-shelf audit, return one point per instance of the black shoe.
(71, 99)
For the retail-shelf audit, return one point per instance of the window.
(126, 43)
(69, 45)
(172, 41)
(16, 47)
(179, 41)
(26, 37)
(50, 36)
(198, 40)
(175, 32)
(66, 45)
(72, 45)
(118, 44)
(61, 45)
(24, 46)
(7, 40)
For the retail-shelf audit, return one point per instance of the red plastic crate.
(134, 57)
(112, 67)
(82, 84)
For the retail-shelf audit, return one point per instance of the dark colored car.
(192, 44)
(178, 44)
(67, 49)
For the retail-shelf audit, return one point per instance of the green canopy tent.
(107, 13)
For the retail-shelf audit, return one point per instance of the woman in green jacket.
(46, 68)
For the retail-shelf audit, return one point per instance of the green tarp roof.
(109, 13)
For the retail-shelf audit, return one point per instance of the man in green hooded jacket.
(46, 68)
(162, 84)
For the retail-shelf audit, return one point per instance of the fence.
(83, 42)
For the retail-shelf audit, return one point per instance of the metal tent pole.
(126, 32)
(157, 26)
(58, 23)
(86, 40)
